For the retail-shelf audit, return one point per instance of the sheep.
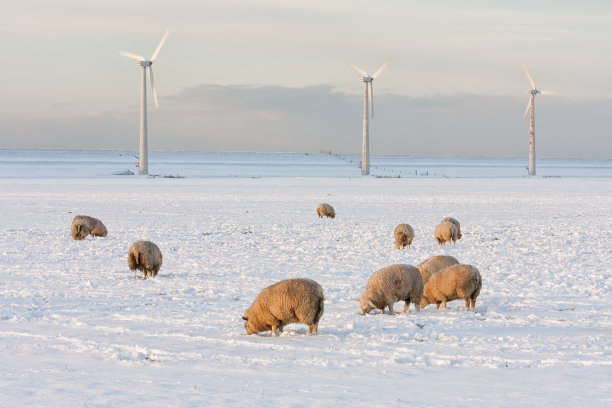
(288, 301)
(325, 210)
(451, 283)
(391, 284)
(446, 232)
(403, 234)
(146, 257)
(435, 264)
(95, 227)
(454, 221)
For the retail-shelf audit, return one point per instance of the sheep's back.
(434, 264)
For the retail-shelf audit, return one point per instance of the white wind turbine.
(368, 97)
(530, 106)
(143, 161)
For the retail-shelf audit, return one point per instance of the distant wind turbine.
(530, 106)
(143, 162)
(368, 97)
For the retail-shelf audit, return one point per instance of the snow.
(77, 329)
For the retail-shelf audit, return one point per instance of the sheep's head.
(251, 325)
(366, 303)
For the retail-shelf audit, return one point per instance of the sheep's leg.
(437, 305)
(308, 329)
(473, 303)
(444, 304)
(273, 331)
(467, 303)
(390, 309)
(406, 305)
(315, 326)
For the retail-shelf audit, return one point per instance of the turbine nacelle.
(366, 79)
(533, 91)
(145, 63)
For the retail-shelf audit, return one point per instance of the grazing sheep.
(146, 257)
(95, 227)
(79, 229)
(391, 284)
(403, 234)
(288, 301)
(454, 221)
(325, 210)
(435, 264)
(446, 232)
(455, 282)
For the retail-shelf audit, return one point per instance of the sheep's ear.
(372, 305)
(245, 318)
(357, 299)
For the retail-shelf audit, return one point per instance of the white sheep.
(325, 210)
(146, 257)
(446, 232)
(451, 283)
(403, 235)
(392, 284)
(83, 225)
(435, 264)
(454, 221)
(288, 301)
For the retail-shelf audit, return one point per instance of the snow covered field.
(77, 329)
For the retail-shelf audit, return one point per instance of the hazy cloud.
(311, 119)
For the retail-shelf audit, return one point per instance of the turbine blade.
(553, 92)
(361, 71)
(529, 77)
(150, 71)
(160, 45)
(381, 68)
(527, 110)
(133, 56)
(371, 98)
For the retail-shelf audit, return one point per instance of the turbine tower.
(368, 97)
(143, 161)
(531, 107)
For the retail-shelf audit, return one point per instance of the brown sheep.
(455, 282)
(325, 210)
(146, 257)
(83, 225)
(446, 232)
(403, 235)
(435, 264)
(288, 301)
(391, 284)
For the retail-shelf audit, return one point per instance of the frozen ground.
(77, 329)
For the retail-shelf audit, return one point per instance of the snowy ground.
(77, 329)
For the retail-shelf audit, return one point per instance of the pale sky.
(271, 75)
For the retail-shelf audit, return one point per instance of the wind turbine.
(143, 161)
(368, 97)
(530, 106)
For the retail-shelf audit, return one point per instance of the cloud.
(315, 118)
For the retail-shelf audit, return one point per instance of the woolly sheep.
(391, 284)
(325, 210)
(454, 221)
(446, 232)
(435, 264)
(455, 282)
(83, 225)
(403, 234)
(146, 257)
(288, 301)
